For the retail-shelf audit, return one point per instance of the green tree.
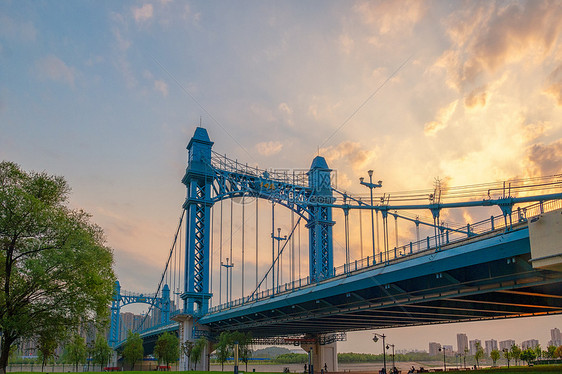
(495, 355)
(186, 350)
(244, 341)
(76, 350)
(46, 346)
(167, 348)
(224, 346)
(538, 351)
(528, 355)
(101, 353)
(478, 354)
(557, 352)
(515, 353)
(133, 349)
(550, 351)
(198, 350)
(55, 268)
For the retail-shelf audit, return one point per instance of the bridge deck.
(485, 277)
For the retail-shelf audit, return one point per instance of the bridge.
(499, 266)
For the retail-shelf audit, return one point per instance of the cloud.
(554, 84)
(545, 159)
(24, 31)
(161, 86)
(51, 67)
(351, 153)
(287, 113)
(476, 98)
(486, 37)
(143, 13)
(441, 120)
(346, 44)
(391, 16)
(269, 148)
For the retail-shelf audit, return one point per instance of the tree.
(101, 353)
(46, 345)
(479, 353)
(550, 351)
(198, 350)
(55, 269)
(133, 349)
(515, 353)
(528, 355)
(76, 350)
(538, 351)
(186, 350)
(167, 348)
(494, 355)
(558, 352)
(224, 348)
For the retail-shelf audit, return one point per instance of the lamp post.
(444, 364)
(371, 185)
(279, 238)
(236, 357)
(393, 366)
(376, 339)
(228, 267)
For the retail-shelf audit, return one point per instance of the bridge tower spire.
(198, 179)
(321, 262)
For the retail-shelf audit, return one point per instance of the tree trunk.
(7, 342)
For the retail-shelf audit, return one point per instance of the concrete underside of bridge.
(481, 278)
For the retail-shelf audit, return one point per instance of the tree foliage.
(479, 353)
(76, 350)
(167, 348)
(224, 348)
(186, 350)
(133, 349)
(515, 353)
(198, 350)
(101, 353)
(55, 268)
(495, 355)
(528, 355)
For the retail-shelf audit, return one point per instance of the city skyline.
(108, 94)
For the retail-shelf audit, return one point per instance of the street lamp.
(376, 339)
(444, 364)
(393, 366)
(227, 266)
(371, 185)
(279, 238)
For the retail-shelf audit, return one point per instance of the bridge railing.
(445, 238)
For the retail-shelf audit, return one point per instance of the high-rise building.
(434, 348)
(555, 337)
(490, 345)
(506, 344)
(448, 350)
(472, 345)
(462, 343)
(531, 343)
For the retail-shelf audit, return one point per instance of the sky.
(108, 94)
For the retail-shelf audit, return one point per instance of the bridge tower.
(198, 179)
(321, 263)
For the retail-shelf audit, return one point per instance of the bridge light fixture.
(376, 339)
(371, 185)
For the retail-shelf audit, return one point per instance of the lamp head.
(375, 338)
(370, 172)
(361, 179)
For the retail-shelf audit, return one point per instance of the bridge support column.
(321, 258)
(115, 311)
(190, 330)
(323, 355)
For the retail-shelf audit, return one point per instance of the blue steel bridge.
(506, 265)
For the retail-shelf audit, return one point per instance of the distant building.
(472, 346)
(531, 343)
(506, 344)
(555, 337)
(434, 348)
(490, 345)
(462, 343)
